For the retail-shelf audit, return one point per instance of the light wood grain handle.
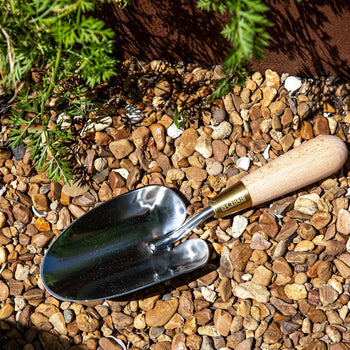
(310, 162)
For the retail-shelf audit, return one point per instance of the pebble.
(98, 123)
(222, 131)
(188, 142)
(239, 256)
(262, 276)
(292, 83)
(140, 136)
(203, 146)
(251, 290)
(162, 312)
(214, 167)
(173, 131)
(343, 222)
(158, 133)
(295, 291)
(239, 225)
(321, 126)
(134, 114)
(121, 148)
(75, 189)
(58, 321)
(259, 241)
(306, 204)
(243, 163)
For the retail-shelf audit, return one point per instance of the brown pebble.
(321, 126)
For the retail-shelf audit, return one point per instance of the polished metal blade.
(99, 250)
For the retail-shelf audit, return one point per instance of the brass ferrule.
(231, 201)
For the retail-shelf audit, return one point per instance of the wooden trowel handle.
(310, 162)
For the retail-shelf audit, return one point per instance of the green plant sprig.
(56, 37)
(246, 31)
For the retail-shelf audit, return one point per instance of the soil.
(310, 39)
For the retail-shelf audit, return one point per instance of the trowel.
(127, 243)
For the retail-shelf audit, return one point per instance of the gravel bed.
(278, 275)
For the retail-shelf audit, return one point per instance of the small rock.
(58, 322)
(4, 291)
(295, 291)
(173, 131)
(272, 79)
(86, 323)
(214, 167)
(259, 241)
(121, 148)
(197, 174)
(250, 290)
(162, 89)
(262, 276)
(269, 94)
(328, 294)
(306, 131)
(203, 146)
(42, 225)
(162, 312)
(246, 344)
(98, 123)
(74, 189)
(343, 222)
(6, 311)
(321, 126)
(158, 133)
(304, 109)
(121, 320)
(208, 294)
(239, 256)
(292, 83)
(306, 205)
(134, 114)
(273, 334)
(63, 219)
(40, 202)
(140, 136)
(243, 163)
(219, 115)
(320, 219)
(222, 322)
(188, 142)
(226, 266)
(22, 272)
(108, 344)
(222, 131)
(239, 225)
(22, 214)
(281, 266)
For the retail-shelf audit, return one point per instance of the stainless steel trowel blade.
(102, 253)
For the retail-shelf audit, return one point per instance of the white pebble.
(173, 131)
(122, 172)
(266, 152)
(239, 225)
(243, 163)
(247, 277)
(208, 294)
(292, 83)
